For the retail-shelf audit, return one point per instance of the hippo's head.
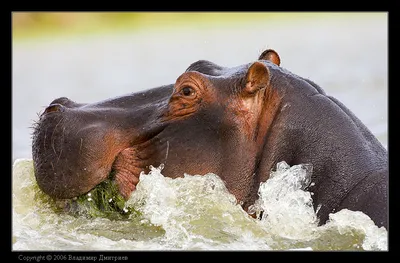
(213, 119)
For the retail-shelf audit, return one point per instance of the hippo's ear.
(270, 55)
(257, 77)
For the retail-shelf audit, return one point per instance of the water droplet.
(282, 166)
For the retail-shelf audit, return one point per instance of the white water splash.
(288, 208)
(195, 212)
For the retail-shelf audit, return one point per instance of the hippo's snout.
(77, 146)
(61, 170)
(73, 150)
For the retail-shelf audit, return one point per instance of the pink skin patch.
(127, 168)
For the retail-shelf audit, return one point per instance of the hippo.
(236, 122)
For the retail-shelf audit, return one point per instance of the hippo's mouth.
(126, 170)
(130, 163)
(110, 195)
(104, 200)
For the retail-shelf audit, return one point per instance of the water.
(195, 212)
(345, 54)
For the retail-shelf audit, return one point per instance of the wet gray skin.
(234, 122)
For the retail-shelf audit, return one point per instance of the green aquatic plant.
(102, 201)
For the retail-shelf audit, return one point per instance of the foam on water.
(195, 212)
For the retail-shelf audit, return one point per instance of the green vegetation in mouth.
(102, 201)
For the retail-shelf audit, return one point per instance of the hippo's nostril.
(54, 108)
(63, 101)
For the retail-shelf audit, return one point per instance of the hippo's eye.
(188, 91)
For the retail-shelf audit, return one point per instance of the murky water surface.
(195, 212)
